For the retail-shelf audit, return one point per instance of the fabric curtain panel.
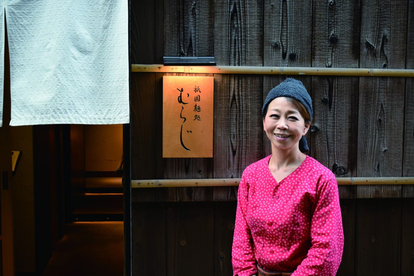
(68, 61)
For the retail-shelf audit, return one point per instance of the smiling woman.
(288, 216)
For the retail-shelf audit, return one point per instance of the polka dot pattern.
(294, 225)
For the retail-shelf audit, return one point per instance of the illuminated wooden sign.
(188, 116)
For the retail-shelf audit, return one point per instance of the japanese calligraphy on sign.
(188, 116)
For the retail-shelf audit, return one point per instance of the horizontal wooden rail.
(226, 182)
(263, 70)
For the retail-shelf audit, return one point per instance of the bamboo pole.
(262, 70)
(228, 182)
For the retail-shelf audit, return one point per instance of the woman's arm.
(242, 252)
(327, 238)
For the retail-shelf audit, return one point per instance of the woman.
(288, 215)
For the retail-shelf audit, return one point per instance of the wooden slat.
(188, 28)
(408, 161)
(407, 238)
(378, 237)
(381, 118)
(147, 32)
(190, 236)
(238, 41)
(335, 99)
(223, 231)
(285, 44)
(268, 70)
(334, 141)
(238, 33)
(348, 209)
(149, 233)
(239, 141)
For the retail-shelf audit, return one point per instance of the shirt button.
(271, 251)
(270, 224)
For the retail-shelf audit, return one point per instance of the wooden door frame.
(6, 179)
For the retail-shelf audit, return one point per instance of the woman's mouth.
(282, 135)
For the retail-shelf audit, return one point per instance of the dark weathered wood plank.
(144, 121)
(348, 208)
(378, 235)
(223, 231)
(408, 161)
(238, 124)
(149, 233)
(407, 239)
(143, 118)
(336, 30)
(287, 33)
(336, 44)
(190, 239)
(334, 143)
(380, 124)
(188, 28)
(238, 32)
(146, 36)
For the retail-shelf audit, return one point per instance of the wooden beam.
(266, 70)
(226, 182)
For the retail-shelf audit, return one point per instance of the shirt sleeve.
(242, 252)
(327, 238)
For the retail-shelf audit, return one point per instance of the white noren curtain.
(68, 61)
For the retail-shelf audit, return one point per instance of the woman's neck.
(283, 159)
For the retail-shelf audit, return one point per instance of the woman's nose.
(282, 124)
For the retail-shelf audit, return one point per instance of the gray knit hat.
(293, 89)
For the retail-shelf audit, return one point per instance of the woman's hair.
(299, 106)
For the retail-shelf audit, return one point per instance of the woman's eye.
(293, 118)
(274, 116)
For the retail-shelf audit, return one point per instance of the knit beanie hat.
(293, 89)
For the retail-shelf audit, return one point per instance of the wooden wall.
(363, 126)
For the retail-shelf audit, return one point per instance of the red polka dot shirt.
(294, 225)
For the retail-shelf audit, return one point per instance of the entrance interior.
(92, 236)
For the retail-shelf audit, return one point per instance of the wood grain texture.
(190, 239)
(407, 239)
(380, 123)
(223, 229)
(188, 28)
(336, 30)
(146, 32)
(238, 32)
(348, 209)
(408, 162)
(145, 120)
(238, 125)
(380, 131)
(378, 237)
(335, 99)
(287, 33)
(334, 139)
(149, 244)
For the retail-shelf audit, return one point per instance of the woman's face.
(283, 124)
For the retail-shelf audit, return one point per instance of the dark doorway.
(78, 184)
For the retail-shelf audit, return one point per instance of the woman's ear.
(306, 128)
